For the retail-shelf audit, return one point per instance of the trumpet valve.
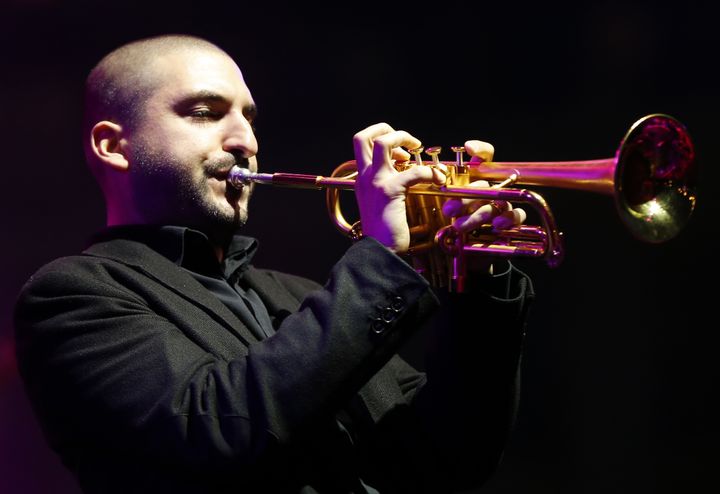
(417, 153)
(434, 153)
(460, 159)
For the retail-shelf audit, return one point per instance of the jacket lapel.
(142, 258)
(277, 299)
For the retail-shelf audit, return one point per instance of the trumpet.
(652, 178)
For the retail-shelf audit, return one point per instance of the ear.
(106, 144)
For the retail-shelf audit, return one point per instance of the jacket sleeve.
(105, 370)
(458, 414)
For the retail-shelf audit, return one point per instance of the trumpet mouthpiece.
(239, 177)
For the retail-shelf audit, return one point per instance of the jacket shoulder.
(67, 267)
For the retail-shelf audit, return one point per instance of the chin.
(224, 210)
(230, 215)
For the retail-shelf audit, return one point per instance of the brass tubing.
(652, 177)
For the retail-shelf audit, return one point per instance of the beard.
(171, 191)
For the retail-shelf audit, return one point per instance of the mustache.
(223, 165)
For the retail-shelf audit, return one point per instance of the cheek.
(181, 137)
(187, 160)
(187, 149)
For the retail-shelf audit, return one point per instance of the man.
(160, 360)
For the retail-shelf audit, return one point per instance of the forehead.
(187, 72)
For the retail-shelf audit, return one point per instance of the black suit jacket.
(143, 381)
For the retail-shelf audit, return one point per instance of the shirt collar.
(188, 248)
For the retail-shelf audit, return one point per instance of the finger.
(399, 154)
(456, 207)
(467, 223)
(363, 142)
(480, 184)
(509, 219)
(482, 215)
(419, 174)
(480, 150)
(372, 131)
(452, 207)
(384, 144)
(485, 214)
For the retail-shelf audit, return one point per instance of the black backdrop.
(619, 372)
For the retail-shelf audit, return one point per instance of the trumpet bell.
(656, 178)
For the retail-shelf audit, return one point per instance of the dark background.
(619, 371)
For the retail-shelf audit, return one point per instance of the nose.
(239, 136)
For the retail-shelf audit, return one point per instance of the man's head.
(165, 120)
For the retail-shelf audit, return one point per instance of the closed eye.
(203, 105)
(205, 114)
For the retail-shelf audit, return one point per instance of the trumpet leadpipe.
(239, 177)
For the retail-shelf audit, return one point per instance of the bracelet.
(355, 233)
